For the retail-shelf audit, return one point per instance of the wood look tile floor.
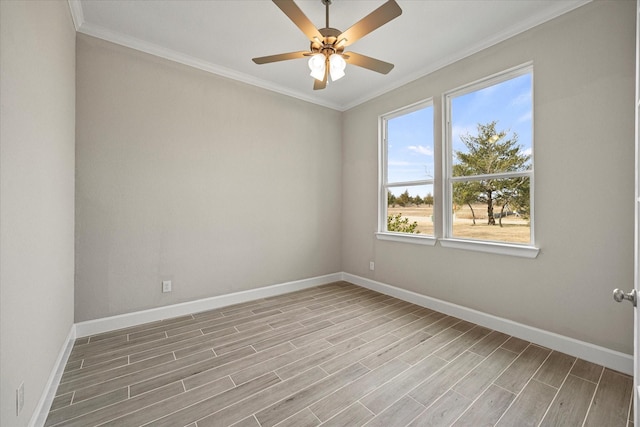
(334, 355)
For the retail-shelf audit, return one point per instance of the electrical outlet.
(372, 265)
(19, 398)
(166, 286)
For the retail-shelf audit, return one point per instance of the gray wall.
(220, 186)
(183, 175)
(584, 171)
(37, 87)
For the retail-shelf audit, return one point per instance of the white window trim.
(446, 180)
(416, 239)
(499, 248)
(383, 185)
(503, 248)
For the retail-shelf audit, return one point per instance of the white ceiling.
(221, 36)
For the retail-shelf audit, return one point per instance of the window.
(483, 179)
(407, 196)
(489, 151)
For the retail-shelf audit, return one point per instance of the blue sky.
(509, 102)
(410, 145)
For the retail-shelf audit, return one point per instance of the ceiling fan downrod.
(326, 3)
(332, 42)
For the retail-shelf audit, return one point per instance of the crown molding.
(131, 42)
(499, 37)
(76, 13)
(172, 55)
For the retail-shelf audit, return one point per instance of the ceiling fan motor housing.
(331, 42)
(328, 44)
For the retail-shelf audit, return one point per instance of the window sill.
(491, 247)
(470, 245)
(407, 238)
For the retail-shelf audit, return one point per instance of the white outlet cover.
(166, 286)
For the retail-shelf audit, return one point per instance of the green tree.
(404, 199)
(391, 199)
(418, 200)
(428, 199)
(516, 196)
(490, 152)
(401, 224)
(466, 193)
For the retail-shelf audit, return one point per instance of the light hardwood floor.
(335, 355)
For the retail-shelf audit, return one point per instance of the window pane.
(497, 210)
(492, 128)
(410, 146)
(410, 210)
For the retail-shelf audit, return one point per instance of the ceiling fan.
(326, 54)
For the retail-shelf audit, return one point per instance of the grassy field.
(514, 229)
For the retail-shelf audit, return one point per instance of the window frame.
(528, 250)
(443, 179)
(384, 185)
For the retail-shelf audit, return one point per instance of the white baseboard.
(39, 415)
(603, 356)
(97, 326)
(615, 360)
(600, 355)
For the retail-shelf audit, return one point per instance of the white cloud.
(421, 149)
(526, 117)
(399, 163)
(456, 131)
(523, 98)
(527, 152)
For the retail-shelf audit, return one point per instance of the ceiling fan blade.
(280, 57)
(317, 84)
(368, 63)
(299, 18)
(376, 19)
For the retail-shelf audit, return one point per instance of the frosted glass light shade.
(337, 66)
(317, 66)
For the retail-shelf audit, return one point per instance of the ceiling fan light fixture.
(327, 56)
(317, 66)
(337, 66)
